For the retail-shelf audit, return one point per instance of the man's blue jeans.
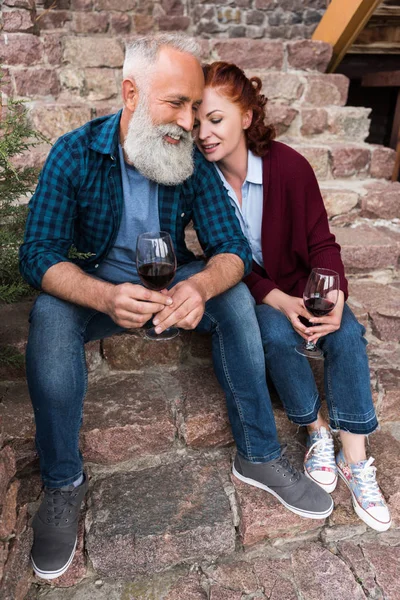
(346, 372)
(57, 375)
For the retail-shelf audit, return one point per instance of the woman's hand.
(292, 308)
(329, 323)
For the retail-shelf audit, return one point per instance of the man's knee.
(276, 330)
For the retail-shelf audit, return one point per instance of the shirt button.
(182, 214)
(96, 266)
(112, 157)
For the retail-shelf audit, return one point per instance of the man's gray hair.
(143, 52)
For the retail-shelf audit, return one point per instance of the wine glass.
(156, 266)
(320, 297)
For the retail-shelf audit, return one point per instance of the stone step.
(368, 246)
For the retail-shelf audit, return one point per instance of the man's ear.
(130, 94)
(247, 118)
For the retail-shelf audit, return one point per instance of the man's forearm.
(68, 282)
(222, 272)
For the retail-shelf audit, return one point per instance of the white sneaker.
(319, 462)
(368, 501)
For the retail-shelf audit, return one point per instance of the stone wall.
(225, 18)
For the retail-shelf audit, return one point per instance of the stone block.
(52, 44)
(353, 555)
(313, 121)
(318, 158)
(126, 416)
(18, 21)
(255, 17)
(16, 410)
(120, 23)
(73, 80)
(311, 565)
(383, 305)
(28, 4)
(143, 23)
(132, 351)
(117, 5)
(385, 449)
(263, 4)
(92, 52)
(54, 19)
(264, 518)
(280, 86)
(219, 593)
(309, 55)
(250, 54)
(36, 82)
(166, 23)
(349, 122)
(324, 90)
(100, 84)
(339, 201)
(237, 576)
(173, 7)
(381, 200)
(281, 116)
(21, 49)
(202, 416)
(53, 120)
(275, 576)
(382, 162)
(176, 513)
(385, 563)
(187, 588)
(367, 248)
(7, 471)
(18, 571)
(81, 5)
(389, 380)
(8, 512)
(85, 22)
(350, 161)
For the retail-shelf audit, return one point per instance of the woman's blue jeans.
(57, 375)
(346, 372)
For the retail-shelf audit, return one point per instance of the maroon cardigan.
(295, 234)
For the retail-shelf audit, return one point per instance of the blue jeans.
(57, 375)
(346, 372)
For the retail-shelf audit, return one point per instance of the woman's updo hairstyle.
(245, 92)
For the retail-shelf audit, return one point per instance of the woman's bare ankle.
(353, 447)
(316, 425)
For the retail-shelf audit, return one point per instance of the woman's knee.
(275, 328)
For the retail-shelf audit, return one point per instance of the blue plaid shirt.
(79, 201)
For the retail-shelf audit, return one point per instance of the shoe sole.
(296, 511)
(329, 488)
(361, 513)
(54, 574)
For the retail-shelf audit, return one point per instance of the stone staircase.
(164, 519)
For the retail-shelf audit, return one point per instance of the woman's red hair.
(244, 92)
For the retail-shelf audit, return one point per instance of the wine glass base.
(315, 352)
(168, 334)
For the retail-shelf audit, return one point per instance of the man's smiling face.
(159, 142)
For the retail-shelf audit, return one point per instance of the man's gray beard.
(151, 155)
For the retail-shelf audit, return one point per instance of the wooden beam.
(375, 48)
(341, 24)
(381, 79)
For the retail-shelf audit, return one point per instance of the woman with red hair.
(277, 200)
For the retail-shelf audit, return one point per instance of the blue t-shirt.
(140, 214)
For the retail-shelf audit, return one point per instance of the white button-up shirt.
(250, 213)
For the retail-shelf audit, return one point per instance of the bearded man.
(102, 185)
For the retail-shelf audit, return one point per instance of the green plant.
(16, 137)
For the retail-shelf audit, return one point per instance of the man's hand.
(131, 305)
(188, 306)
(329, 323)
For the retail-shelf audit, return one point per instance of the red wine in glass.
(320, 297)
(156, 266)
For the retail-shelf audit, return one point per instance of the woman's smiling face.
(219, 126)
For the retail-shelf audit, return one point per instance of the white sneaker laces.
(366, 478)
(323, 453)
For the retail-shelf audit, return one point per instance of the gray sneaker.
(293, 489)
(55, 528)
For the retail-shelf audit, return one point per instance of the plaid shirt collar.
(107, 136)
